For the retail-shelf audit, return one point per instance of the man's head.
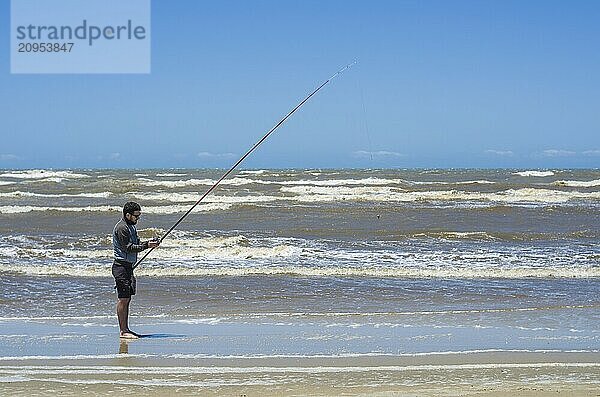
(132, 212)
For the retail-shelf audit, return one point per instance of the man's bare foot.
(128, 335)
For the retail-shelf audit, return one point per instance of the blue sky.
(437, 84)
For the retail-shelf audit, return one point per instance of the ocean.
(304, 263)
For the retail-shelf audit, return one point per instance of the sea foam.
(169, 209)
(594, 183)
(42, 174)
(323, 194)
(534, 173)
(205, 270)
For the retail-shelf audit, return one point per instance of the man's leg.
(123, 314)
(123, 280)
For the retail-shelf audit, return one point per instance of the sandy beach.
(474, 374)
(49, 357)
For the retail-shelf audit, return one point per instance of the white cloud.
(106, 157)
(591, 153)
(381, 154)
(499, 152)
(8, 157)
(208, 155)
(557, 153)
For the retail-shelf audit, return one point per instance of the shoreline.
(253, 358)
(473, 374)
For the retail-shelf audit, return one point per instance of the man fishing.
(126, 245)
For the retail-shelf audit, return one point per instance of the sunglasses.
(137, 216)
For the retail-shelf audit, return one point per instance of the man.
(126, 245)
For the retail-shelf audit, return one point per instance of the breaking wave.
(534, 173)
(42, 174)
(193, 254)
(320, 194)
(593, 183)
(240, 181)
(18, 194)
(193, 197)
(168, 209)
(207, 270)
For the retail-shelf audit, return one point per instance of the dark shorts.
(124, 279)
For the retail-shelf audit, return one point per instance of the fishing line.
(256, 145)
(366, 123)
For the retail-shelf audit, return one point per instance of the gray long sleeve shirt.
(126, 243)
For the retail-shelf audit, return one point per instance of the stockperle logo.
(75, 36)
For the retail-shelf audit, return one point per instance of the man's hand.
(153, 243)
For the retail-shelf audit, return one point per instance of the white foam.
(339, 193)
(33, 253)
(169, 174)
(311, 194)
(175, 252)
(169, 209)
(70, 357)
(4, 183)
(377, 182)
(193, 197)
(42, 174)
(174, 209)
(154, 382)
(525, 195)
(183, 246)
(194, 182)
(459, 235)
(224, 248)
(540, 195)
(294, 316)
(19, 209)
(240, 181)
(13, 379)
(270, 356)
(231, 248)
(253, 172)
(245, 269)
(72, 318)
(595, 182)
(53, 179)
(196, 321)
(474, 182)
(374, 354)
(534, 173)
(345, 182)
(215, 370)
(30, 194)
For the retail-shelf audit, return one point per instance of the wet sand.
(172, 363)
(475, 374)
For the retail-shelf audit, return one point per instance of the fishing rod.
(256, 145)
